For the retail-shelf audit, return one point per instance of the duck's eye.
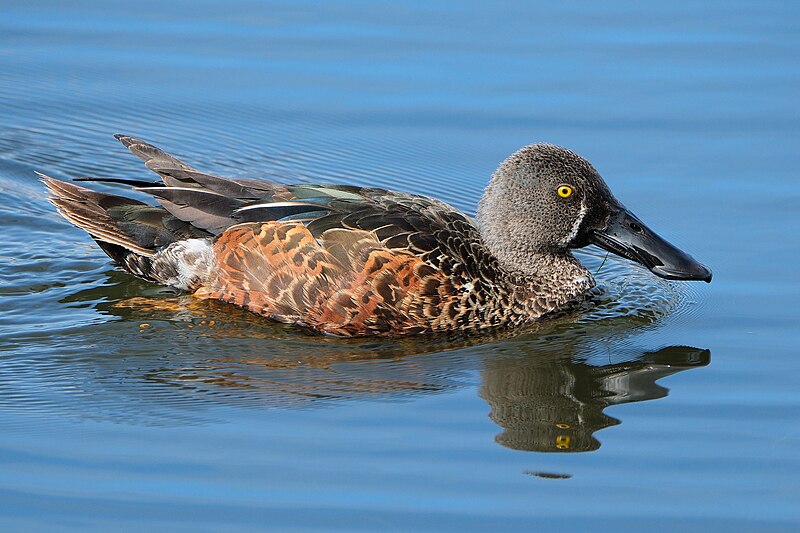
(564, 191)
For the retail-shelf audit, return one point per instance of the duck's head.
(545, 199)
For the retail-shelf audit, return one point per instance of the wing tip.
(126, 140)
(44, 178)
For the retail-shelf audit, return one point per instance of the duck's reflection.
(557, 405)
(546, 389)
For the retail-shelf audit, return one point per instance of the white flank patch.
(193, 260)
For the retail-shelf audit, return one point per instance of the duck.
(352, 261)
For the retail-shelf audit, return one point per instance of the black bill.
(626, 236)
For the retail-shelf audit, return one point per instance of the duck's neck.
(543, 265)
(540, 281)
(554, 270)
(546, 283)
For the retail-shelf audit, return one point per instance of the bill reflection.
(557, 406)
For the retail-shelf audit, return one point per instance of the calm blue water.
(124, 406)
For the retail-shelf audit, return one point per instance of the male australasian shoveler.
(356, 261)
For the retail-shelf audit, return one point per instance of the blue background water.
(688, 109)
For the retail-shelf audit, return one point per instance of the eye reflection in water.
(175, 357)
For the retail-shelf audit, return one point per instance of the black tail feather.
(120, 181)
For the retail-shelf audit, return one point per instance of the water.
(660, 406)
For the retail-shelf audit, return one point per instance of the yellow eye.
(564, 191)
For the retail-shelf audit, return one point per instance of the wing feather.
(204, 209)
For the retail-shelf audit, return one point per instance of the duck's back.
(343, 260)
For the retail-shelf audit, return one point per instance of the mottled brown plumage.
(354, 261)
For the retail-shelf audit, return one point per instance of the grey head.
(545, 200)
